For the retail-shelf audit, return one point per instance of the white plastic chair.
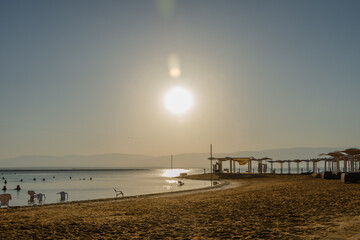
(5, 199)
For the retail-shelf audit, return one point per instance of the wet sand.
(271, 207)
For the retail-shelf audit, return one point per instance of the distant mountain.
(188, 160)
(76, 161)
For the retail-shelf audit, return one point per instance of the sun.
(178, 100)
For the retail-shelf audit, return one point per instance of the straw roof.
(352, 151)
(336, 154)
(240, 160)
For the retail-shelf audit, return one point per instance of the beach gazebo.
(307, 164)
(281, 165)
(262, 167)
(271, 166)
(352, 155)
(327, 166)
(315, 161)
(218, 166)
(297, 161)
(338, 156)
(289, 167)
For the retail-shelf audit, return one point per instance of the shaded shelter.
(281, 165)
(352, 154)
(297, 161)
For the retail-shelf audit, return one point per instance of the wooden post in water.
(171, 162)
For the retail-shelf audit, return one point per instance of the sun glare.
(178, 100)
(173, 172)
(175, 72)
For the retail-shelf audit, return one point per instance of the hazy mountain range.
(187, 160)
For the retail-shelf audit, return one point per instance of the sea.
(88, 184)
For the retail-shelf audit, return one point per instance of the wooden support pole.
(297, 167)
(307, 166)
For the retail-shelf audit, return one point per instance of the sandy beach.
(271, 207)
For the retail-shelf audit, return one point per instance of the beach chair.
(5, 199)
(40, 196)
(118, 192)
(32, 195)
(62, 195)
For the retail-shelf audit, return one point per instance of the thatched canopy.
(352, 151)
(240, 160)
(336, 154)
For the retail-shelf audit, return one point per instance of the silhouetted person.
(21, 180)
(91, 178)
(43, 179)
(4, 188)
(5, 182)
(18, 188)
(34, 179)
(70, 177)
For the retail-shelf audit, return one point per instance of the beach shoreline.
(224, 184)
(289, 206)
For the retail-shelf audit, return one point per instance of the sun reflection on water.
(173, 172)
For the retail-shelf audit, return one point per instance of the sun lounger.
(62, 195)
(117, 193)
(40, 196)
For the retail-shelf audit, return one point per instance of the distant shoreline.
(75, 169)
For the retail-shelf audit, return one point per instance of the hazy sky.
(89, 77)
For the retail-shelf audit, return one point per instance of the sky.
(89, 77)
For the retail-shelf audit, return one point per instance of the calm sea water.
(79, 186)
